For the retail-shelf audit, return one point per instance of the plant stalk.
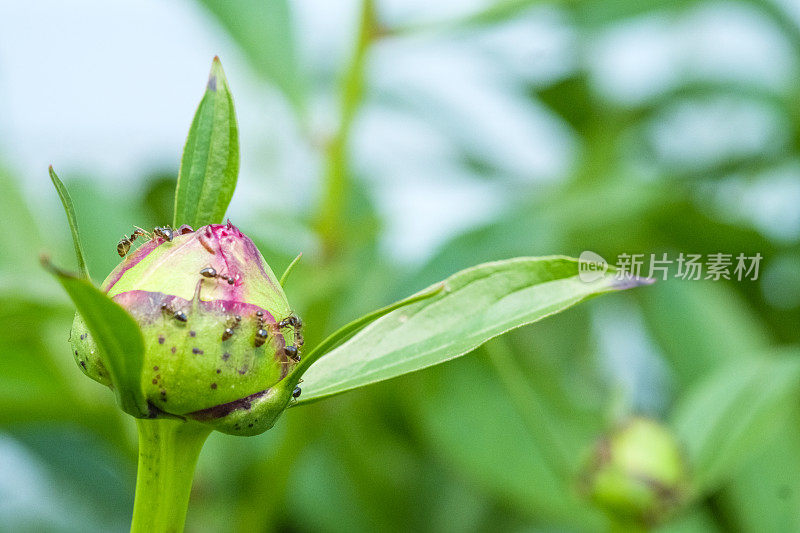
(168, 452)
(336, 184)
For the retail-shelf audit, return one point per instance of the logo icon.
(591, 266)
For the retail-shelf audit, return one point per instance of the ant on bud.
(293, 321)
(261, 333)
(233, 323)
(164, 232)
(178, 315)
(124, 244)
(291, 353)
(211, 273)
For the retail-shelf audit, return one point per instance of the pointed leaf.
(477, 304)
(117, 335)
(210, 162)
(66, 200)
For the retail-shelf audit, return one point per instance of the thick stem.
(168, 452)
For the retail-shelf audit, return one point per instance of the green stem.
(168, 452)
(529, 407)
(337, 179)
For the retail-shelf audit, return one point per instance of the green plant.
(210, 288)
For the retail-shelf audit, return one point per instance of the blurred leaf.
(696, 520)
(60, 478)
(30, 382)
(764, 494)
(210, 162)
(700, 326)
(477, 304)
(106, 215)
(600, 14)
(117, 336)
(265, 33)
(90, 472)
(66, 201)
(727, 416)
(19, 246)
(326, 492)
(158, 199)
(470, 424)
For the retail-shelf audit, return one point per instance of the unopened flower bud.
(637, 473)
(216, 324)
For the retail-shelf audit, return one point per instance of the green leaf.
(117, 335)
(210, 162)
(730, 415)
(18, 254)
(344, 332)
(700, 326)
(66, 200)
(476, 304)
(265, 33)
(761, 495)
(474, 427)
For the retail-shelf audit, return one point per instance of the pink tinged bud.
(175, 266)
(214, 319)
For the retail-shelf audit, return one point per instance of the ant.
(233, 323)
(291, 353)
(211, 273)
(124, 244)
(293, 321)
(164, 232)
(261, 333)
(177, 315)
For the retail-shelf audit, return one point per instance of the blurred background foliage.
(411, 142)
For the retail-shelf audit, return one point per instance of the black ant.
(164, 232)
(261, 333)
(293, 321)
(291, 353)
(296, 392)
(177, 315)
(124, 244)
(211, 273)
(233, 323)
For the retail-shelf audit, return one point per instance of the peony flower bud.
(637, 474)
(219, 333)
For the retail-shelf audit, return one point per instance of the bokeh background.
(395, 143)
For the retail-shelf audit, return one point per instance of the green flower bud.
(219, 333)
(637, 473)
